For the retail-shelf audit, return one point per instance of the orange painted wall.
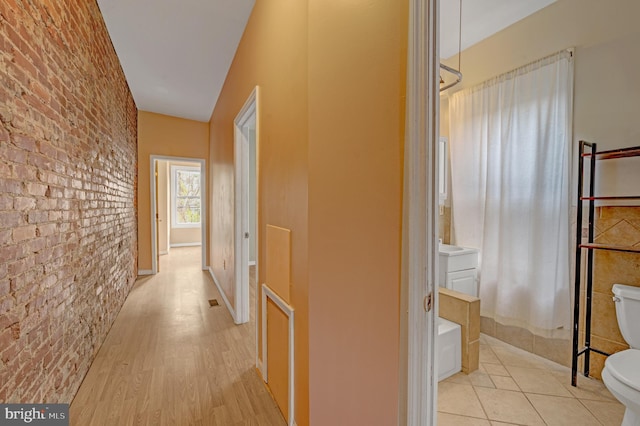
(273, 55)
(163, 135)
(331, 129)
(357, 80)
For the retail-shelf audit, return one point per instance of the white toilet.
(621, 373)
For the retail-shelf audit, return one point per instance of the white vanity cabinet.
(459, 269)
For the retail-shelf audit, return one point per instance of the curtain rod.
(453, 71)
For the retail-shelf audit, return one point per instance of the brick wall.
(68, 248)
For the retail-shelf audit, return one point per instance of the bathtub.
(449, 347)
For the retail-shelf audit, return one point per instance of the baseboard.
(185, 245)
(162, 253)
(145, 272)
(224, 297)
(252, 263)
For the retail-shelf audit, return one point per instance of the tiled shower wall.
(616, 226)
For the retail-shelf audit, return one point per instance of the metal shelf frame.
(589, 154)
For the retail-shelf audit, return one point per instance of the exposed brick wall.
(68, 164)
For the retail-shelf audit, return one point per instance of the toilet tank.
(627, 300)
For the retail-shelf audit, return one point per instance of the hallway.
(171, 359)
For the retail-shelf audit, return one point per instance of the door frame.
(418, 325)
(241, 145)
(154, 208)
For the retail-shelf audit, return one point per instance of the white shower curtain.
(510, 141)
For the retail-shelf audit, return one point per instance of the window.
(185, 197)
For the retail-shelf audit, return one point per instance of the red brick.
(6, 202)
(9, 252)
(47, 229)
(24, 203)
(4, 135)
(24, 233)
(10, 219)
(14, 154)
(34, 188)
(72, 151)
(37, 216)
(5, 237)
(37, 244)
(26, 143)
(6, 337)
(40, 91)
(4, 286)
(6, 304)
(23, 173)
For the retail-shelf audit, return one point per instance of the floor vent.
(213, 302)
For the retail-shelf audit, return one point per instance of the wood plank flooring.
(171, 359)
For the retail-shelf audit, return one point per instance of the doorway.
(185, 210)
(246, 204)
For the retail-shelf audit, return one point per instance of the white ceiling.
(480, 19)
(176, 54)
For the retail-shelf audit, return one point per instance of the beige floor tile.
(508, 406)
(517, 357)
(512, 371)
(445, 419)
(559, 411)
(506, 383)
(487, 356)
(454, 398)
(608, 412)
(460, 378)
(589, 394)
(537, 381)
(478, 378)
(495, 369)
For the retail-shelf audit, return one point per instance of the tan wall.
(273, 55)
(186, 235)
(330, 170)
(357, 69)
(163, 135)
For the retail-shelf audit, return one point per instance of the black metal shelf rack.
(589, 152)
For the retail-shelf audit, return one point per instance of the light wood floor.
(171, 359)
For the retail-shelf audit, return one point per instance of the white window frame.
(174, 204)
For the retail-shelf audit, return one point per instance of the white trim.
(142, 272)
(174, 205)
(224, 297)
(164, 252)
(252, 263)
(259, 367)
(241, 208)
(203, 206)
(418, 373)
(184, 245)
(289, 311)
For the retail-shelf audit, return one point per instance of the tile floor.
(515, 387)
